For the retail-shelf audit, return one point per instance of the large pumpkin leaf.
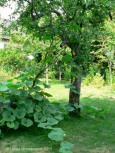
(19, 113)
(37, 96)
(55, 136)
(38, 117)
(7, 116)
(29, 83)
(26, 122)
(3, 88)
(29, 108)
(15, 91)
(70, 86)
(38, 108)
(34, 89)
(70, 109)
(44, 102)
(52, 121)
(10, 124)
(21, 101)
(45, 126)
(59, 117)
(23, 92)
(16, 125)
(46, 111)
(52, 109)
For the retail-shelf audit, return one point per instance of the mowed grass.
(89, 135)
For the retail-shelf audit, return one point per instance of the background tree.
(75, 22)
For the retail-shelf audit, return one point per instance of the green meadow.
(89, 134)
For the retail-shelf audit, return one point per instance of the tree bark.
(75, 81)
(73, 97)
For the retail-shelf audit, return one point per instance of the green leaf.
(49, 59)
(59, 131)
(45, 126)
(23, 92)
(26, 122)
(55, 135)
(34, 89)
(7, 116)
(52, 109)
(70, 109)
(6, 101)
(37, 51)
(90, 108)
(38, 108)
(37, 96)
(46, 86)
(16, 125)
(4, 88)
(38, 117)
(19, 113)
(59, 117)
(10, 124)
(52, 121)
(15, 91)
(46, 111)
(10, 109)
(76, 27)
(44, 102)
(74, 74)
(21, 101)
(67, 58)
(70, 86)
(78, 106)
(2, 99)
(65, 146)
(75, 91)
(29, 108)
(29, 83)
(72, 64)
(48, 37)
(47, 94)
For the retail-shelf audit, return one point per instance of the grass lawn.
(89, 135)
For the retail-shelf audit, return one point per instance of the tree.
(74, 22)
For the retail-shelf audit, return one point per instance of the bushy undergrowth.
(22, 104)
(96, 80)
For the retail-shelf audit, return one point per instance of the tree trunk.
(47, 80)
(75, 97)
(60, 74)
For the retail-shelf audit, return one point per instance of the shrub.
(67, 74)
(98, 80)
(87, 80)
(113, 86)
(51, 74)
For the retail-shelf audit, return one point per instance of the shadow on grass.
(89, 135)
(54, 82)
